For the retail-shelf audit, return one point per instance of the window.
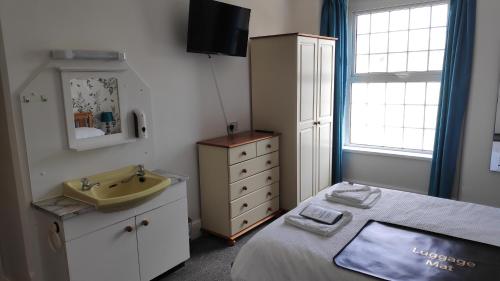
(395, 82)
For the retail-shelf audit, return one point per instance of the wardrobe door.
(305, 163)
(324, 112)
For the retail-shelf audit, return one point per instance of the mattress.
(283, 252)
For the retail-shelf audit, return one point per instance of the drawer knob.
(245, 205)
(269, 193)
(244, 153)
(270, 209)
(145, 222)
(244, 188)
(269, 178)
(269, 146)
(244, 171)
(244, 222)
(129, 228)
(269, 162)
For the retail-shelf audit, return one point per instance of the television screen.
(216, 27)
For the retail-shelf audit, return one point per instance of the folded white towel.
(316, 227)
(358, 196)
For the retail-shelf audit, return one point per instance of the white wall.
(153, 33)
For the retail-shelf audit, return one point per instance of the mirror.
(96, 107)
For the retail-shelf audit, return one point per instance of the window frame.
(381, 77)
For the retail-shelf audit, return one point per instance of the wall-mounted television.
(217, 28)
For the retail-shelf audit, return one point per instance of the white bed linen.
(86, 132)
(283, 252)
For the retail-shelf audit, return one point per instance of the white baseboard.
(195, 229)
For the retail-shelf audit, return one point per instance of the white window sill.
(389, 153)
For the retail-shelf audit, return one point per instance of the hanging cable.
(218, 90)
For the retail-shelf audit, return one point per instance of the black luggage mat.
(393, 252)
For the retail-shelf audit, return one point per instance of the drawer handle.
(269, 194)
(269, 162)
(245, 205)
(244, 188)
(244, 153)
(129, 228)
(244, 171)
(269, 146)
(244, 222)
(145, 222)
(269, 178)
(270, 209)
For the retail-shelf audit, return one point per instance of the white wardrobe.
(292, 79)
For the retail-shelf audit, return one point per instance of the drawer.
(242, 153)
(253, 166)
(256, 214)
(267, 146)
(254, 199)
(251, 184)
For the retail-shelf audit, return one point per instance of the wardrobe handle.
(129, 228)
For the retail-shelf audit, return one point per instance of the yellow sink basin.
(117, 189)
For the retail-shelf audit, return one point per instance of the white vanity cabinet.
(137, 244)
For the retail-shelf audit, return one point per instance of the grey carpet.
(211, 259)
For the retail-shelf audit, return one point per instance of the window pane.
(359, 134)
(429, 136)
(439, 15)
(432, 93)
(394, 115)
(414, 116)
(376, 135)
(420, 17)
(358, 115)
(412, 138)
(430, 116)
(419, 40)
(417, 61)
(399, 20)
(438, 38)
(376, 115)
(393, 137)
(395, 93)
(380, 22)
(362, 64)
(415, 93)
(378, 63)
(358, 93)
(378, 43)
(376, 93)
(398, 41)
(436, 60)
(397, 62)
(363, 44)
(363, 24)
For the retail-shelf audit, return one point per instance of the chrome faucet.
(86, 185)
(141, 172)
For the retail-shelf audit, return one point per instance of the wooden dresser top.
(238, 139)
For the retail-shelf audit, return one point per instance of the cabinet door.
(324, 154)
(163, 238)
(305, 163)
(306, 77)
(109, 254)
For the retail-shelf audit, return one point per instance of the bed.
(84, 126)
(283, 252)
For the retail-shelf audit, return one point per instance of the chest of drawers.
(239, 182)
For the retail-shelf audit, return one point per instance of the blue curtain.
(334, 24)
(455, 84)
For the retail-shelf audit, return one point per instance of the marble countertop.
(65, 207)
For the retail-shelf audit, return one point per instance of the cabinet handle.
(269, 194)
(244, 188)
(244, 222)
(269, 178)
(269, 162)
(145, 222)
(269, 146)
(269, 209)
(245, 205)
(244, 153)
(244, 171)
(129, 228)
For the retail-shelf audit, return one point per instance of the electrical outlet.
(232, 127)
